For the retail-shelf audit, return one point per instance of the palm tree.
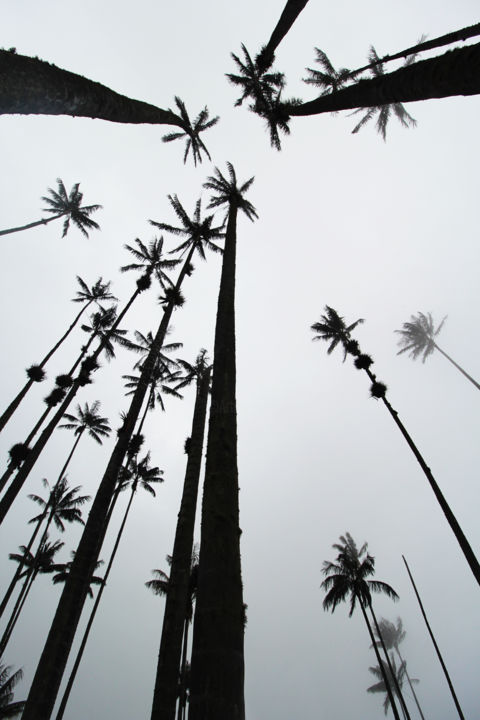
(136, 475)
(333, 325)
(290, 12)
(192, 132)
(9, 709)
(347, 578)
(396, 680)
(63, 505)
(87, 420)
(437, 649)
(217, 655)
(255, 83)
(41, 562)
(384, 111)
(173, 629)
(417, 337)
(392, 636)
(151, 261)
(68, 206)
(63, 570)
(328, 79)
(200, 235)
(98, 291)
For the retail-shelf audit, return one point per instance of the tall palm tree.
(63, 505)
(68, 206)
(192, 132)
(328, 79)
(9, 709)
(136, 475)
(347, 578)
(437, 649)
(255, 83)
(333, 325)
(98, 291)
(417, 337)
(173, 629)
(392, 636)
(86, 420)
(200, 235)
(41, 562)
(217, 655)
(396, 680)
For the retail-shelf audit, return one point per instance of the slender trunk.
(29, 462)
(182, 699)
(410, 683)
(439, 654)
(17, 609)
(32, 86)
(43, 221)
(469, 377)
(166, 683)
(380, 662)
(48, 676)
(70, 455)
(398, 689)
(456, 72)
(78, 659)
(291, 11)
(452, 520)
(217, 678)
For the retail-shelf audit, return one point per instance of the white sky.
(376, 230)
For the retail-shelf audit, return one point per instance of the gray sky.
(376, 230)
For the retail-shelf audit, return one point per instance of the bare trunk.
(410, 684)
(43, 221)
(464, 373)
(17, 609)
(291, 11)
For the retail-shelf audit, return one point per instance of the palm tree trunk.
(78, 659)
(217, 681)
(16, 402)
(17, 609)
(31, 459)
(380, 662)
(456, 72)
(439, 654)
(392, 673)
(410, 683)
(43, 221)
(452, 520)
(291, 11)
(469, 377)
(165, 693)
(48, 676)
(32, 86)
(182, 699)
(70, 455)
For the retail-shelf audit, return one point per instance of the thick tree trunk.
(182, 698)
(457, 72)
(291, 11)
(459, 367)
(44, 689)
(43, 221)
(217, 657)
(166, 683)
(452, 520)
(32, 86)
(437, 649)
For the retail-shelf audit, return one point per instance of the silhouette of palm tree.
(64, 205)
(418, 338)
(395, 679)
(9, 709)
(192, 132)
(328, 79)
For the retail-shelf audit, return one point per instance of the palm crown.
(9, 709)
(140, 473)
(59, 203)
(150, 259)
(398, 673)
(417, 337)
(98, 291)
(333, 329)
(328, 79)
(143, 345)
(348, 576)
(254, 80)
(88, 419)
(100, 326)
(228, 193)
(193, 372)
(63, 503)
(192, 132)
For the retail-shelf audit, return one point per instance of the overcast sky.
(376, 230)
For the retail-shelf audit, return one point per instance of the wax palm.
(8, 680)
(348, 578)
(255, 82)
(227, 193)
(328, 79)
(160, 384)
(192, 132)
(151, 261)
(159, 583)
(395, 679)
(417, 337)
(88, 420)
(69, 206)
(333, 329)
(198, 232)
(193, 372)
(143, 345)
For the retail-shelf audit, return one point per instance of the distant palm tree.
(137, 475)
(418, 338)
(392, 636)
(63, 505)
(160, 385)
(63, 570)
(334, 329)
(173, 628)
(217, 654)
(347, 578)
(396, 680)
(200, 234)
(86, 420)
(99, 291)
(328, 79)
(9, 709)
(64, 205)
(192, 132)
(255, 83)
(41, 562)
